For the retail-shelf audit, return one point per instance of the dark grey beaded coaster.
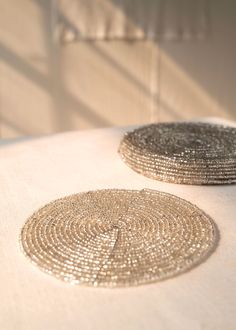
(189, 153)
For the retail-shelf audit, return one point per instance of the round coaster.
(189, 153)
(115, 238)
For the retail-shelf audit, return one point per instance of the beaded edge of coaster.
(194, 262)
(166, 168)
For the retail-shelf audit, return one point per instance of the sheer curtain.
(133, 19)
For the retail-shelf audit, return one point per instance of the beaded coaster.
(115, 238)
(189, 153)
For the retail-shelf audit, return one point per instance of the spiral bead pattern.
(118, 238)
(187, 153)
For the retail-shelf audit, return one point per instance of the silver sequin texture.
(115, 238)
(187, 153)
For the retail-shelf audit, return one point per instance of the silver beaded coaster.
(116, 238)
(188, 153)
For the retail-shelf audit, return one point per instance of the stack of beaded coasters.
(188, 153)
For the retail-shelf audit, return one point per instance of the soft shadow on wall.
(48, 86)
(197, 71)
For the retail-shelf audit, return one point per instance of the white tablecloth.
(34, 172)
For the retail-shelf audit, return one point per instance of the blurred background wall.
(75, 64)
